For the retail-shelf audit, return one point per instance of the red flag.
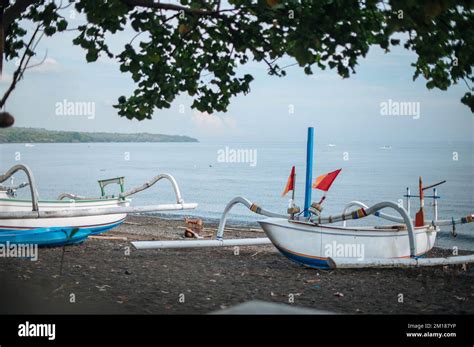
(420, 215)
(324, 182)
(290, 185)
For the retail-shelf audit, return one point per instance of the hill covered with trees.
(37, 135)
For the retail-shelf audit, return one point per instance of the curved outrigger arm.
(251, 206)
(35, 213)
(439, 222)
(151, 182)
(378, 213)
(146, 185)
(63, 196)
(360, 213)
(31, 181)
(364, 212)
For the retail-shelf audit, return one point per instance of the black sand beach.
(110, 276)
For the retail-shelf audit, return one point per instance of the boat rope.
(255, 208)
(377, 214)
(360, 213)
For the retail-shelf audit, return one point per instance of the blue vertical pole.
(309, 171)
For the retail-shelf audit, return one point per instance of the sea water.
(212, 173)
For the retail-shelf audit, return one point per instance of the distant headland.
(39, 135)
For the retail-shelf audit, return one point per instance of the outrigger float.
(91, 215)
(309, 239)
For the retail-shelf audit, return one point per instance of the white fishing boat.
(314, 240)
(313, 245)
(311, 239)
(95, 215)
(95, 224)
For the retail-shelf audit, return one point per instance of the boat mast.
(309, 171)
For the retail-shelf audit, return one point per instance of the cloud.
(211, 124)
(49, 65)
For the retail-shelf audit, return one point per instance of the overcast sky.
(347, 109)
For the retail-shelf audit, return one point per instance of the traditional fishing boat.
(313, 244)
(309, 238)
(91, 215)
(93, 224)
(45, 236)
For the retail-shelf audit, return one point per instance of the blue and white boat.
(92, 215)
(45, 236)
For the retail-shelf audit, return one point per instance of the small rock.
(338, 294)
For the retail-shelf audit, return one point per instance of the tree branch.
(18, 74)
(171, 7)
(13, 11)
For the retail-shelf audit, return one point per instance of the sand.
(110, 276)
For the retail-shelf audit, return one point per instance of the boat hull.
(91, 224)
(313, 245)
(50, 237)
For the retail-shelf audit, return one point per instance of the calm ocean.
(206, 175)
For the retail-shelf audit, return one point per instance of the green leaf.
(62, 25)
(92, 55)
